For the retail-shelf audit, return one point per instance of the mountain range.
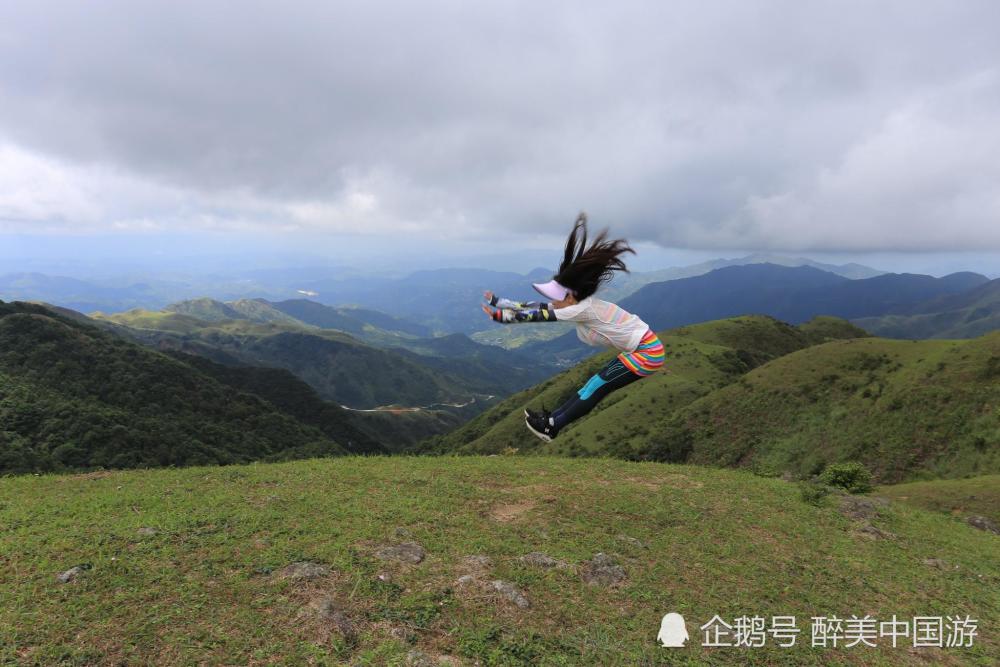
(360, 365)
(967, 314)
(435, 299)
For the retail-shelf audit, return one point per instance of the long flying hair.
(585, 267)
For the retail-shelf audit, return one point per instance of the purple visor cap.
(552, 290)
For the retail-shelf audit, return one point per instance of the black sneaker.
(537, 414)
(538, 423)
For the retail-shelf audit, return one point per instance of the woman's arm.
(500, 302)
(517, 311)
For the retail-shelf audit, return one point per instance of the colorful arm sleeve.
(509, 311)
(500, 302)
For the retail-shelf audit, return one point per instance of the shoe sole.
(541, 435)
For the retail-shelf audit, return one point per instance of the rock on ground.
(71, 574)
(303, 570)
(407, 552)
(465, 580)
(862, 507)
(326, 610)
(984, 523)
(511, 592)
(539, 559)
(478, 562)
(602, 570)
(873, 532)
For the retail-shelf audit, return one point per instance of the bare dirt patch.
(507, 512)
(679, 481)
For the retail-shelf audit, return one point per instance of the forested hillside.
(72, 396)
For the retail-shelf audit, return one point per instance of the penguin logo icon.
(673, 633)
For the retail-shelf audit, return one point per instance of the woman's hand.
(489, 312)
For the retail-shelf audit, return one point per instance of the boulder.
(984, 523)
(72, 573)
(511, 592)
(407, 552)
(602, 570)
(862, 507)
(303, 570)
(538, 559)
(326, 610)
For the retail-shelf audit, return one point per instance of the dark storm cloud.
(786, 125)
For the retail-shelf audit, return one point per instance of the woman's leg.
(614, 375)
(620, 371)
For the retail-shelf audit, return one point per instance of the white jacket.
(604, 323)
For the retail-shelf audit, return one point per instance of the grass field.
(956, 497)
(186, 565)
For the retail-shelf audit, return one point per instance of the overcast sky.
(795, 127)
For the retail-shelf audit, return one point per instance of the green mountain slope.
(700, 358)
(206, 309)
(189, 566)
(360, 430)
(965, 315)
(958, 498)
(758, 393)
(904, 408)
(364, 431)
(304, 313)
(72, 396)
(375, 369)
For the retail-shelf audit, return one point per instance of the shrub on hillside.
(814, 492)
(852, 476)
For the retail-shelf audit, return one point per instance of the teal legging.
(614, 375)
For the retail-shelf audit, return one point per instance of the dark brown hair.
(584, 268)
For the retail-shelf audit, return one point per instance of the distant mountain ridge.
(439, 300)
(364, 367)
(298, 311)
(792, 294)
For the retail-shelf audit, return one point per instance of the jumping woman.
(571, 292)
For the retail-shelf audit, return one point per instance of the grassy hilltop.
(192, 566)
(904, 408)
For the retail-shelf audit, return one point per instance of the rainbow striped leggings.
(624, 369)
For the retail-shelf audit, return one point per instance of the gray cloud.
(773, 125)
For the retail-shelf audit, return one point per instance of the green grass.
(959, 498)
(907, 409)
(715, 542)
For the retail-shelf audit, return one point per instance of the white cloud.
(772, 124)
(927, 179)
